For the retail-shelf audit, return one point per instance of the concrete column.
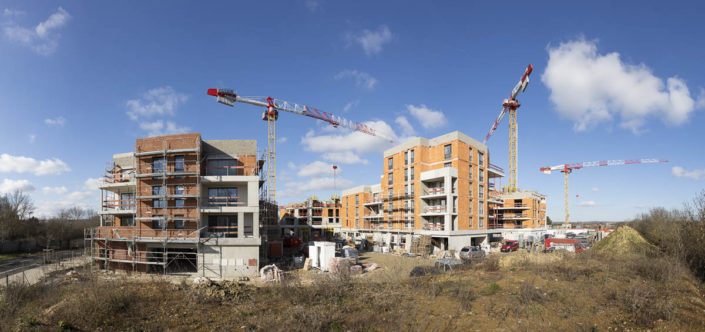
(240, 225)
(255, 224)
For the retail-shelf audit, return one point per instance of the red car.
(510, 246)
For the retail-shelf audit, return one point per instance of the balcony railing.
(133, 232)
(119, 204)
(435, 191)
(120, 177)
(436, 209)
(433, 226)
(496, 168)
(216, 201)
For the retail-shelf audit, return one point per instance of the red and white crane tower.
(273, 106)
(510, 105)
(568, 168)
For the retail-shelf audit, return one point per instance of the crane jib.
(337, 121)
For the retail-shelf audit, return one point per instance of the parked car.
(510, 245)
(471, 252)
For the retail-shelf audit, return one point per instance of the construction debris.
(421, 245)
(624, 241)
(270, 273)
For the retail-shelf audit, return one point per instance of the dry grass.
(519, 292)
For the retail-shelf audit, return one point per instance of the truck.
(572, 245)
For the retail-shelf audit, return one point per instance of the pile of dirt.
(624, 241)
(223, 291)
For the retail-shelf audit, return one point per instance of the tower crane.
(510, 105)
(273, 106)
(568, 168)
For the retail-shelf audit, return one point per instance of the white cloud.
(9, 186)
(44, 38)
(281, 140)
(595, 189)
(92, 183)
(315, 168)
(372, 41)
(32, 138)
(695, 174)
(56, 190)
(350, 105)
(58, 121)
(361, 78)
(587, 203)
(83, 199)
(19, 164)
(406, 127)
(158, 128)
(590, 88)
(349, 140)
(428, 118)
(344, 157)
(157, 101)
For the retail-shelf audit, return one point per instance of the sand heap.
(624, 241)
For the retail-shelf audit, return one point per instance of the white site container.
(326, 252)
(313, 254)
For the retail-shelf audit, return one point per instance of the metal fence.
(31, 269)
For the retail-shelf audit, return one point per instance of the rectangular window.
(159, 203)
(406, 189)
(357, 212)
(222, 196)
(470, 192)
(127, 201)
(470, 155)
(470, 207)
(411, 160)
(411, 206)
(447, 164)
(222, 225)
(481, 192)
(406, 157)
(158, 222)
(158, 165)
(411, 173)
(391, 192)
(412, 192)
(481, 208)
(446, 151)
(158, 190)
(481, 160)
(179, 164)
(482, 176)
(389, 208)
(127, 221)
(390, 178)
(223, 167)
(390, 163)
(482, 222)
(357, 199)
(179, 203)
(470, 173)
(179, 190)
(179, 221)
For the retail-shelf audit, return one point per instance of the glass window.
(179, 221)
(390, 163)
(411, 172)
(357, 199)
(470, 172)
(481, 208)
(412, 157)
(447, 151)
(158, 165)
(470, 207)
(222, 196)
(159, 203)
(470, 155)
(480, 158)
(406, 157)
(222, 167)
(447, 164)
(179, 190)
(179, 203)
(391, 192)
(127, 201)
(223, 225)
(390, 178)
(179, 164)
(412, 192)
(158, 222)
(481, 192)
(470, 193)
(482, 222)
(406, 189)
(127, 221)
(482, 176)
(158, 190)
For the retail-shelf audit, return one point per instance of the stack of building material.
(421, 245)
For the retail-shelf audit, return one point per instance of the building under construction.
(180, 204)
(445, 188)
(312, 219)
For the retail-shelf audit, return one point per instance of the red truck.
(572, 245)
(510, 245)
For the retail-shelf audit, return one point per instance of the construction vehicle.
(568, 168)
(510, 245)
(572, 245)
(510, 105)
(273, 106)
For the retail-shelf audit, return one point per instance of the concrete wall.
(228, 261)
(231, 148)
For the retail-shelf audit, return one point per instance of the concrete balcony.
(494, 171)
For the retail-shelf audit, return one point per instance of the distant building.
(312, 219)
(180, 204)
(444, 187)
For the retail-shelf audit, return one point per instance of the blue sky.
(82, 80)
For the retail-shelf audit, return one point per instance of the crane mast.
(271, 115)
(568, 168)
(510, 106)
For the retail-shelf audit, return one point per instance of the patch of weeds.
(491, 289)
